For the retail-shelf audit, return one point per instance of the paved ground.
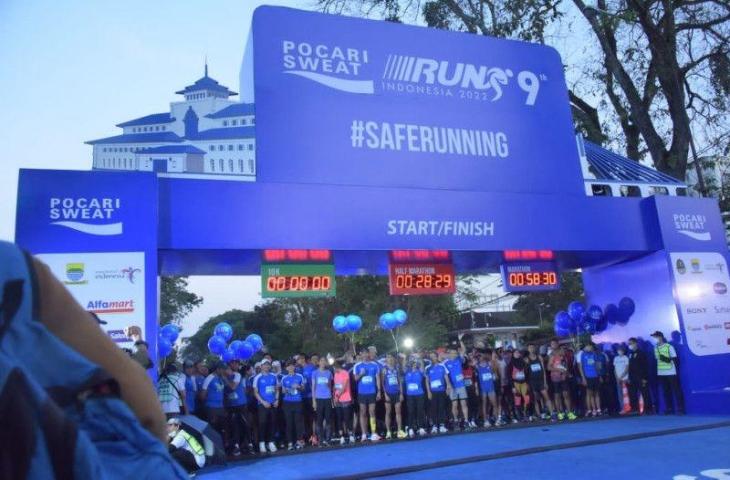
(678, 448)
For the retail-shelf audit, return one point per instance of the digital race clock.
(421, 278)
(297, 280)
(530, 276)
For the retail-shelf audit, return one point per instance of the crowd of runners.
(313, 400)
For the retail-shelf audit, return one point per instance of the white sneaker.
(262, 447)
(421, 432)
(352, 438)
(434, 430)
(410, 433)
(487, 424)
(272, 447)
(374, 437)
(364, 438)
(342, 440)
(442, 429)
(472, 424)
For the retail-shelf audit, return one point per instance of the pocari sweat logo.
(94, 216)
(692, 226)
(341, 68)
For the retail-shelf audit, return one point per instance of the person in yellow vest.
(185, 448)
(666, 365)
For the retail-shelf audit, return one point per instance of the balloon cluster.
(347, 324)
(166, 339)
(577, 319)
(396, 319)
(237, 349)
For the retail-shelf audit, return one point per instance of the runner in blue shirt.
(292, 386)
(436, 385)
(266, 391)
(485, 385)
(368, 392)
(306, 367)
(235, 402)
(322, 401)
(191, 388)
(391, 378)
(213, 394)
(415, 400)
(591, 379)
(458, 389)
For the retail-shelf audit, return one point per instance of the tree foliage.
(531, 306)
(176, 302)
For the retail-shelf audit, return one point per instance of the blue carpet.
(624, 456)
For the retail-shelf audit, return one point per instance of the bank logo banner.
(380, 104)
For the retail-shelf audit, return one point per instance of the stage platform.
(649, 447)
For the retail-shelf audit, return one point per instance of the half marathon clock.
(421, 272)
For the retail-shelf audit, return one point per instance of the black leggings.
(238, 423)
(267, 417)
(185, 459)
(344, 418)
(416, 405)
(438, 408)
(324, 413)
(218, 420)
(294, 421)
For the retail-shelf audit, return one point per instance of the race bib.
(486, 377)
(535, 367)
(322, 380)
(367, 380)
(459, 377)
(590, 361)
(467, 382)
(393, 381)
(339, 386)
(436, 384)
(293, 391)
(412, 387)
(233, 396)
(520, 376)
(270, 389)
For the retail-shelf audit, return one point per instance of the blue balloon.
(595, 313)
(400, 317)
(563, 320)
(217, 345)
(627, 307)
(256, 341)
(170, 332)
(354, 323)
(612, 314)
(388, 321)
(164, 347)
(339, 323)
(588, 326)
(245, 350)
(224, 330)
(576, 310)
(561, 332)
(228, 355)
(234, 346)
(602, 325)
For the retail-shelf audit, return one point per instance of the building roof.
(148, 120)
(156, 137)
(607, 165)
(206, 83)
(224, 133)
(235, 110)
(172, 149)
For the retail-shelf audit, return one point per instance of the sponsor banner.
(689, 224)
(112, 285)
(701, 280)
(377, 103)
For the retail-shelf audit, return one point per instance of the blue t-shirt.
(199, 381)
(367, 385)
(306, 372)
(214, 386)
(601, 362)
(486, 378)
(322, 384)
(436, 377)
(249, 390)
(456, 374)
(288, 384)
(237, 397)
(191, 392)
(414, 382)
(265, 385)
(588, 360)
(390, 380)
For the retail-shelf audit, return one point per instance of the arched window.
(240, 166)
(212, 165)
(230, 165)
(223, 167)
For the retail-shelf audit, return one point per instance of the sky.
(71, 70)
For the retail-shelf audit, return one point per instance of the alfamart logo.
(692, 226)
(87, 215)
(342, 69)
(113, 306)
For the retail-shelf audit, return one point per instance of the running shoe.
(571, 416)
(236, 450)
(442, 429)
(290, 447)
(342, 440)
(352, 439)
(421, 432)
(262, 447)
(402, 434)
(434, 430)
(472, 424)
(324, 444)
(364, 438)
(487, 424)
(299, 445)
(272, 447)
(374, 437)
(561, 416)
(387, 435)
(411, 434)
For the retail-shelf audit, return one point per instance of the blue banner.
(358, 102)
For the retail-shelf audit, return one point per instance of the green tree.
(533, 306)
(176, 301)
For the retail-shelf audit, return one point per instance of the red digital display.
(299, 283)
(515, 255)
(421, 278)
(279, 256)
(532, 279)
(409, 256)
(530, 276)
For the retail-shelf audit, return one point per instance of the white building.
(206, 135)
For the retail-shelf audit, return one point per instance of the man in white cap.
(185, 448)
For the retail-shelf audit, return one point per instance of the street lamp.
(408, 343)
